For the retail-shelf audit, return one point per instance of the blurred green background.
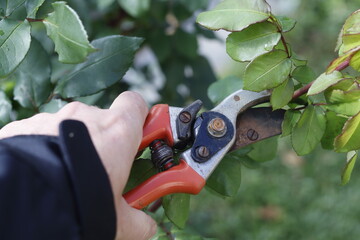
(291, 197)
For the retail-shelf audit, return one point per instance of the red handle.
(179, 179)
(157, 126)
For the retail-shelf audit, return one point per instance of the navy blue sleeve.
(54, 187)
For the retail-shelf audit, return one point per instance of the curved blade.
(256, 124)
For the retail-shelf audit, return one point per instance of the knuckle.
(72, 108)
(137, 100)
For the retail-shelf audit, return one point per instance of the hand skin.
(115, 132)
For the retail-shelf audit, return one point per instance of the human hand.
(116, 133)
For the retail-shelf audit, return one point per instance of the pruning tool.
(206, 138)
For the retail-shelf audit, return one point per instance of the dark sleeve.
(54, 187)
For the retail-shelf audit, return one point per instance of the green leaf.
(184, 235)
(348, 140)
(32, 6)
(252, 42)
(345, 84)
(219, 90)
(350, 42)
(267, 71)
(265, 150)
(33, 77)
(352, 23)
(235, 15)
(141, 170)
(160, 234)
(303, 74)
(135, 8)
(64, 27)
(339, 96)
(241, 155)
(350, 163)
(339, 41)
(334, 125)
(290, 119)
(249, 163)
(226, 178)
(355, 61)
(5, 109)
(53, 106)
(14, 44)
(309, 130)
(324, 81)
(317, 99)
(286, 23)
(176, 208)
(298, 62)
(9, 6)
(349, 109)
(340, 61)
(102, 68)
(350, 27)
(282, 94)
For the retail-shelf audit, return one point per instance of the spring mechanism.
(162, 155)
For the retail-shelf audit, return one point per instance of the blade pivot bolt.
(252, 134)
(217, 127)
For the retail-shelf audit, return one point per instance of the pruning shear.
(209, 136)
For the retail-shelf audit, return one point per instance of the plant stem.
(285, 45)
(301, 91)
(155, 206)
(304, 89)
(343, 65)
(168, 233)
(282, 38)
(34, 20)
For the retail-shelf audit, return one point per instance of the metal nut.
(217, 127)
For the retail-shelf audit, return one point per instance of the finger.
(132, 100)
(133, 223)
(123, 125)
(129, 112)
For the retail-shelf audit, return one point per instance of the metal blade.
(256, 124)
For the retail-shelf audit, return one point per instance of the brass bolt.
(217, 127)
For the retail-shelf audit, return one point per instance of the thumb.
(133, 223)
